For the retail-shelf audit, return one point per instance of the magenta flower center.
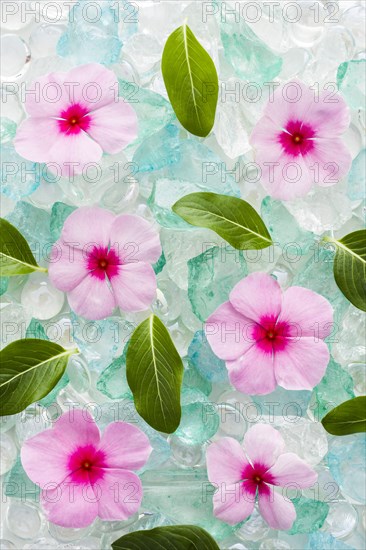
(297, 138)
(102, 262)
(74, 119)
(270, 334)
(256, 475)
(86, 464)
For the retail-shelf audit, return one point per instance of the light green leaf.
(154, 373)
(347, 418)
(191, 81)
(233, 219)
(29, 370)
(16, 257)
(350, 267)
(176, 537)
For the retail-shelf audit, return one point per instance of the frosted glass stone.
(143, 50)
(186, 455)
(356, 178)
(68, 534)
(8, 129)
(14, 322)
(341, 520)
(326, 541)
(92, 34)
(19, 177)
(60, 330)
(254, 529)
(33, 420)
(274, 544)
(358, 373)
(310, 515)
(351, 82)
(44, 543)
(8, 453)
(341, 451)
(15, 57)
(23, 520)
(43, 300)
(44, 38)
(78, 373)
(7, 545)
(303, 437)
(167, 305)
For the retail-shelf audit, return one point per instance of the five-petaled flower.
(103, 261)
(82, 474)
(268, 337)
(73, 118)
(246, 472)
(298, 141)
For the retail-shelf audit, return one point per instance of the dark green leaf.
(350, 267)
(29, 370)
(233, 219)
(347, 418)
(191, 81)
(16, 257)
(154, 374)
(176, 537)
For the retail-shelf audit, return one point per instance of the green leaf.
(350, 267)
(16, 257)
(191, 81)
(176, 537)
(29, 370)
(233, 219)
(154, 373)
(347, 418)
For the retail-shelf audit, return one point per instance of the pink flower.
(83, 475)
(298, 141)
(243, 472)
(73, 118)
(103, 261)
(268, 337)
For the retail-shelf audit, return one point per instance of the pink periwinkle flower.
(82, 474)
(298, 141)
(256, 469)
(269, 337)
(103, 261)
(73, 118)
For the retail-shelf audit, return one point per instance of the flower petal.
(330, 117)
(234, 503)
(135, 239)
(228, 332)
(70, 504)
(276, 510)
(253, 372)
(292, 470)
(125, 446)
(226, 461)
(113, 126)
(257, 296)
(286, 177)
(263, 445)
(306, 313)
(119, 494)
(92, 85)
(67, 267)
(50, 96)
(92, 298)
(291, 101)
(71, 430)
(330, 161)
(134, 287)
(70, 153)
(88, 226)
(35, 137)
(301, 364)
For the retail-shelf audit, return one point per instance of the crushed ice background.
(197, 269)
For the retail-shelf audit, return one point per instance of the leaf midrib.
(232, 223)
(184, 27)
(34, 267)
(151, 333)
(53, 358)
(346, 249)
